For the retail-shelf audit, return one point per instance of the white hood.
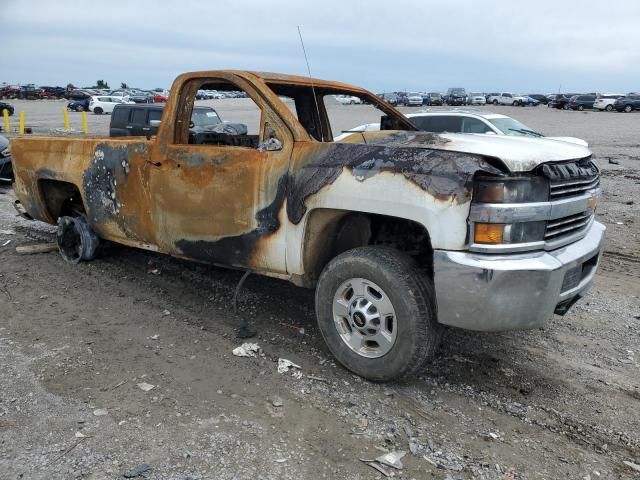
(519, 154)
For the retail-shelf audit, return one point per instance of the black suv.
(561, 101)
(206, 127)
(456, 96)
(628, 103)
(580, 102)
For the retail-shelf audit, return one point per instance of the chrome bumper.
(493, 292)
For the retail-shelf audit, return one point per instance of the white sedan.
(347, 99)
(460, 121)
(100, 105)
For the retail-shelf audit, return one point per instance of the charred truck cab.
(399, 231)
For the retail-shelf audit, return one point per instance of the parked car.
(6, 168)
(460, 121)
(413, 99)
(543, 99)
(140, 97)
(456, 96)
(347, 99)
(561, 100)
(628, 103)
(391, 98)
(400, 232)
(434, 98)
(106, 104)
(530, 101)
(506, 98)
(78, 101)
(6, 106)
(9, 92)
(605, 101)
(492, 96)
(476, 99)
(53, 92)
(581, 102)
(134, 120)
(29, 92)
(159, 98)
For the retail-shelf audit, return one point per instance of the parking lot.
(80, 346)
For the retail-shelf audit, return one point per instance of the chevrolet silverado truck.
(399, 231)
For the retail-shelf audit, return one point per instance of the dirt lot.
(77, 342)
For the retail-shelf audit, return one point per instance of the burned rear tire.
(76, 239)
(376, 310)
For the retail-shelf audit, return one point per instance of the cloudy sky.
(527, 46)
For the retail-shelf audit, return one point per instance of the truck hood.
(518, 154)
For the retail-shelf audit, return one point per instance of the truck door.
(222, 201)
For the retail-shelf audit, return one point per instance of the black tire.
(412, 296)
(98, 111)
(608, 108)
(76, 239)
(628, 108)
(580, 108)
(495, 102)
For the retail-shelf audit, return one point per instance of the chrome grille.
(566, 226)
(573, 187)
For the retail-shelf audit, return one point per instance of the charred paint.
(237, 251)
(445, 175)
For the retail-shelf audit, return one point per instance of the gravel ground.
(78, 344)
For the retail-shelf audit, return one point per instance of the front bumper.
(492, 292)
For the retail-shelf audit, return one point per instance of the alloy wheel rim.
(365, 318)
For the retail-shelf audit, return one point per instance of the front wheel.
(376, 311)
(580, 108)
(628, 108)
(608, 108)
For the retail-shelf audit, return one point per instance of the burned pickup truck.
(399, 231)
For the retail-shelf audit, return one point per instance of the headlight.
(507, 233)
(510, 190)
(492, 229)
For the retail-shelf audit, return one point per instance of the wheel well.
(332, 232)
(61, 198)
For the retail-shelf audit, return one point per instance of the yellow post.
(85, 127)
(65, 116)
(7, 124)
(21, 129)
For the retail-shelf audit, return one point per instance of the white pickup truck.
(399, 231)
(506, 98)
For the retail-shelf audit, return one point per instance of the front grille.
(573, 188)
(566, 226)
(571, 179)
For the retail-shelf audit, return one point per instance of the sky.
(520, 46)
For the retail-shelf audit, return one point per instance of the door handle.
(129, 126)
(146, 128)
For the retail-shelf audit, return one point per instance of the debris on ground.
(632, 466)
(100, 412)
(36, 248)
(7, 232)
(246, 350)
(6, 243)
(145, 386)
(377, 466)
(284, 365)
(614, 162)
(392, 459)
(276, 401)
(138, 471)
(80, 435)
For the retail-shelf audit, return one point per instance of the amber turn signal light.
(488, 232)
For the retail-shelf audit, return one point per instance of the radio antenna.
(313, 88)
